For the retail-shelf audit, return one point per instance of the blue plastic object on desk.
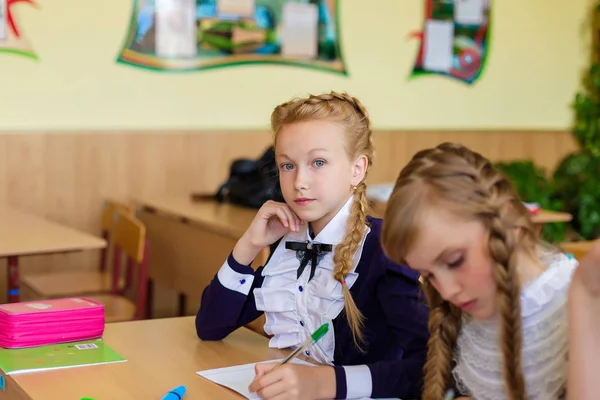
(175, 394)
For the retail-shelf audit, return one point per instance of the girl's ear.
(359, 169)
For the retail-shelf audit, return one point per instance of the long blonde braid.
(444, 326)
(502, 244)
(342, 260)
(350, 113)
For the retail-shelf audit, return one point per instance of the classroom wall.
(537, 52)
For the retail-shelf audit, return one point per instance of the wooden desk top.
(224, 219)
(548, 216)
(161, 354)
(25, 234)
(579, 249)
(542, 217)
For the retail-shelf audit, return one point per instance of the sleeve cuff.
(340, 382)
(235, 276)
(359, 382)
(353, 382)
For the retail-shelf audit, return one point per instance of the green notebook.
(64, 355)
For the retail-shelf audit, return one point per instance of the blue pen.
(175, 394)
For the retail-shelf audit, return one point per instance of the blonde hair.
(353, 117)
(463, 181)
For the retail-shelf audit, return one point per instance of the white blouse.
(478, 370)
(294, 307)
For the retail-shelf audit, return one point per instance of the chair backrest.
(129, 240)
(107, 225)
(108, 211)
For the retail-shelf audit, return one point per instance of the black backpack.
(252, 182)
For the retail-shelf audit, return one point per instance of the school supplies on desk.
(36, 323)
(175, 394)
(533, 208)
(58, 356)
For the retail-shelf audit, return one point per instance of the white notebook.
(239, 377)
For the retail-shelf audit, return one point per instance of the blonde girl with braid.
(326, 267)
(497, 297)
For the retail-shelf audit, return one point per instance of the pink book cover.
(53, 305)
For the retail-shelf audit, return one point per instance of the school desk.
(540, 218)
(23, 234)
(189, 241)
(578, 249)
(161, 354)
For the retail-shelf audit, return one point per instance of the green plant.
(587, 112)
(577, 180)
(533, 185)
(577, 177)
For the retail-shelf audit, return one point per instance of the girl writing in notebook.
(327, 267)
(497, 297)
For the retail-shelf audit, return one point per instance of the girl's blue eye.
(286, 167)
(319, 163)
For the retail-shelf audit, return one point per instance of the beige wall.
(536, 53)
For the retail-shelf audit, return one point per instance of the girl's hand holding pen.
(293, 381)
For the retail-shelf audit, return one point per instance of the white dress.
(478, 371)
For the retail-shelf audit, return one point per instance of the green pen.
(319, 333)
(449, 395)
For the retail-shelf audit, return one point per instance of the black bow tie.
(305, 252)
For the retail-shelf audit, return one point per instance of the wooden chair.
(577, 249)
(129, 240)
(77, 283)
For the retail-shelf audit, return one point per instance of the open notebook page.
(239, 377)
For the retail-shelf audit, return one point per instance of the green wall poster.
(189, 35)
(455, 39)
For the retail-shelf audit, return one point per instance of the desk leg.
(13, 280)
(182, 304)
(150, 298)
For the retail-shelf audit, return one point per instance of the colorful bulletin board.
(187, 35)
(455, 39)
(11, 37)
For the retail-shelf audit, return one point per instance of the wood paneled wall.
(65, 176)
